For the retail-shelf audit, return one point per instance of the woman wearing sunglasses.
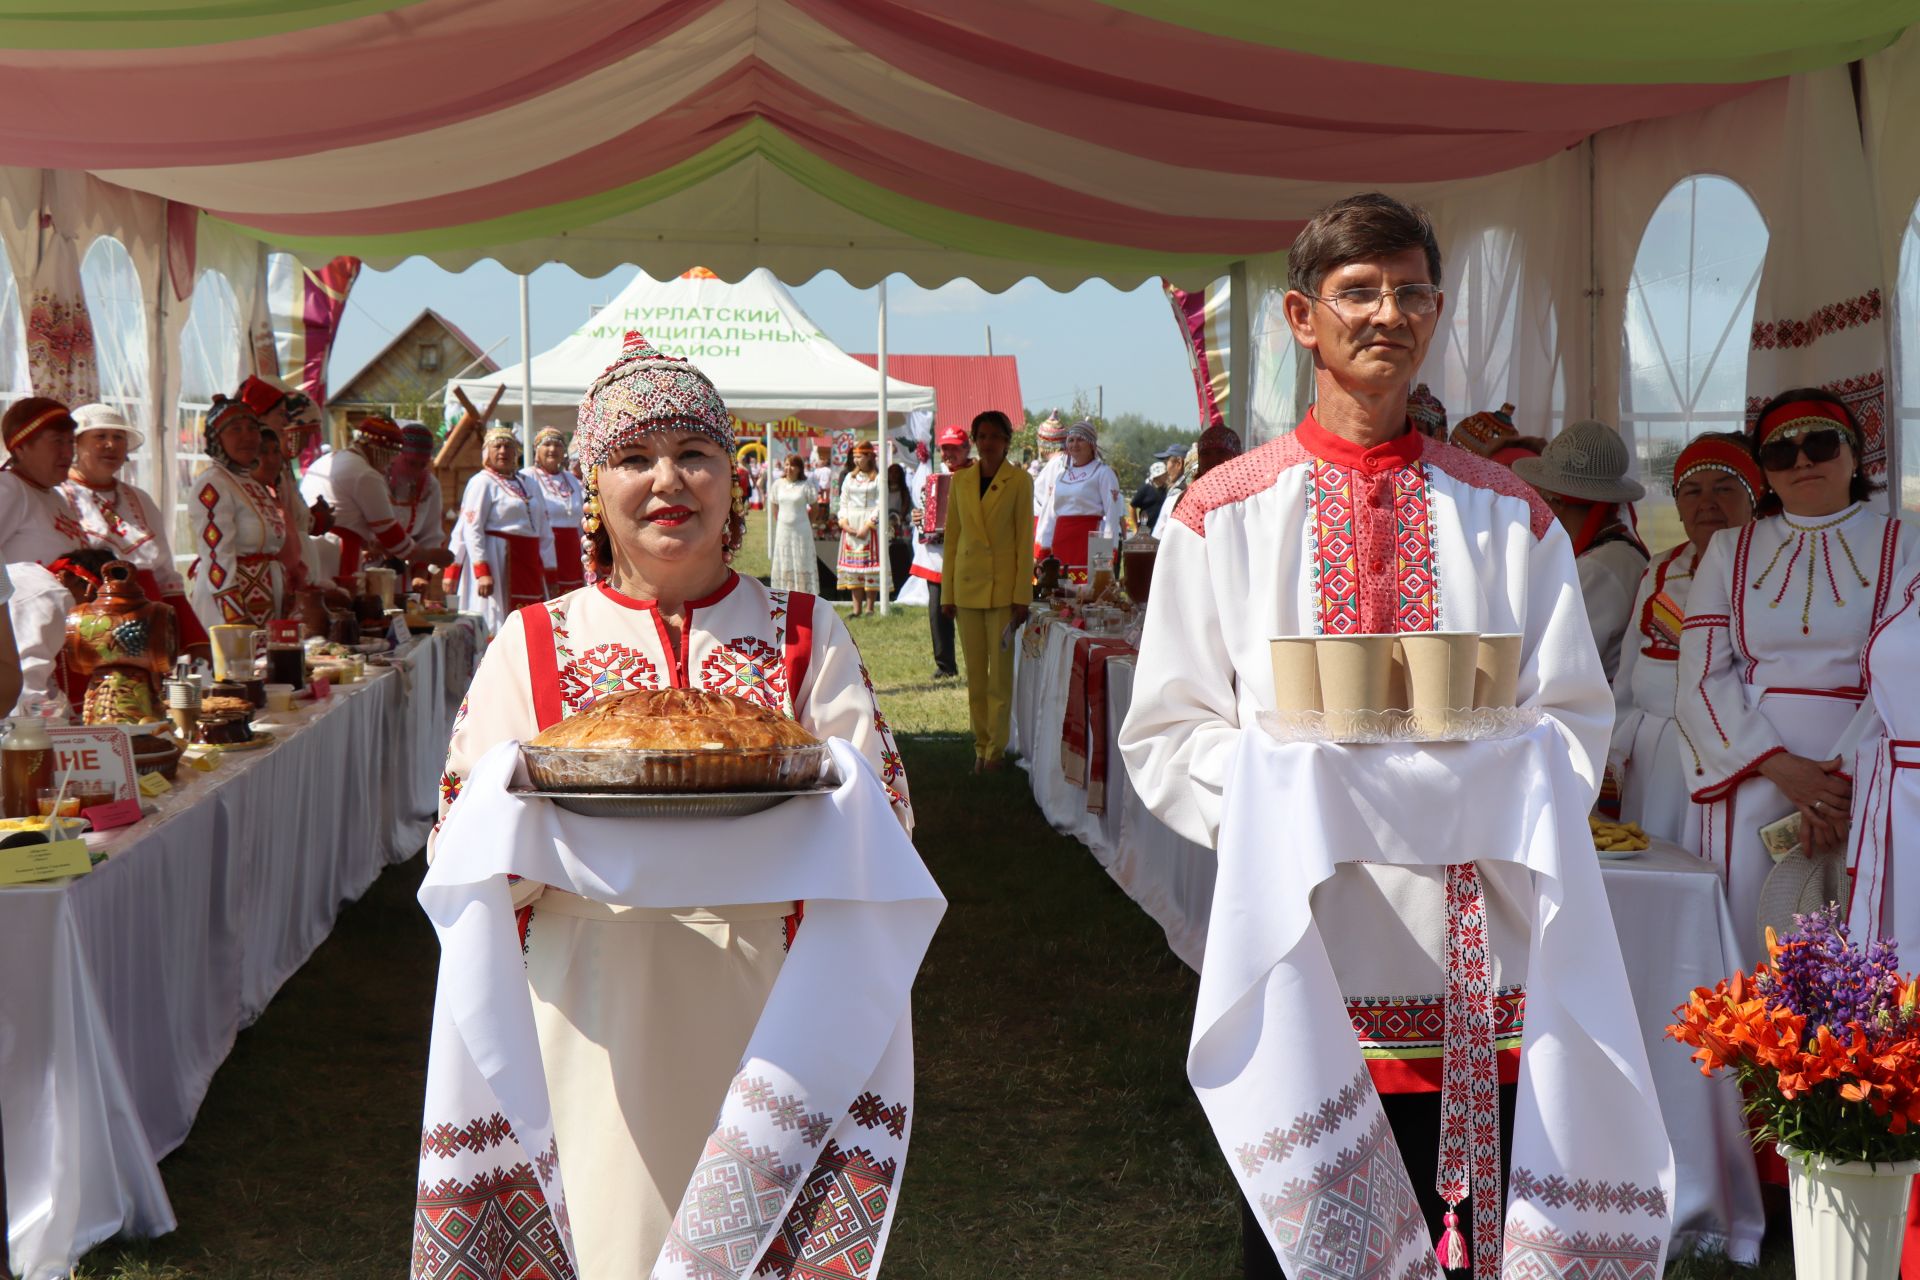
(1770, 656)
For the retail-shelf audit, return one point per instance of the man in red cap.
(37, 523)
(929, 538)
(353, 481)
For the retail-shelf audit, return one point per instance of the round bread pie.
(675, 740)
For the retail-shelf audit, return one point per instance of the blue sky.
(1095, 336)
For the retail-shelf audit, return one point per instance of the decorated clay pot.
(123, 643)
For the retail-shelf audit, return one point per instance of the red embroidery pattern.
(1483, 473)
(1335, 550)
(1252, 472)
(870, 1111)
(735, 1199)
(499, 1224)
(1548, 1255)
(475, 1136)
(1586, 1195)
(1418, 608)
(1395, 1025)
(1308, 1127)
(835, 1225)
(1353, 1215)
(892, 769)
(1774, 335)
(1469, 1074)
(602, 671)
(747, 667)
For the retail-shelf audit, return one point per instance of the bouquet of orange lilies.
(1824, 1039)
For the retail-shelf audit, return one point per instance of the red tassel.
(1452, 1250)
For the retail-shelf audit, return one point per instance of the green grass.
(1055, 1134)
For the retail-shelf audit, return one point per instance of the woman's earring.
(590, 513)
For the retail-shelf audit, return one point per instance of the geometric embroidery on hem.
(1353, 1216)
(1548, 1255)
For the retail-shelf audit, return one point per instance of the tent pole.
(885, 452)
(526, 370)
(766, 490)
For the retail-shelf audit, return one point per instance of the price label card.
(322, 687)
(32, 863)
(399, 634)
(206, 762)
(154, 784)
(121, 813)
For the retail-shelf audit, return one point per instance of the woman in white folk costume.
(1770, 659)
(862, 540)
(417, 500)
(795, 566)
(502, 543)
(290, 429)
(1051, 434)
(1884, 757)
(353, 481)
(643, 1016)
(38, 524)
(1356, 523)
(565, 498)
(1716, 485)
(248, 563)
(1582, 474)
(1084, 502)
(123, 518)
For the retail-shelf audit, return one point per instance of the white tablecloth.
(1668, 909)
(124, 988)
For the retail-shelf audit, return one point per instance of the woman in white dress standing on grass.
(861, 537)
(795, 567)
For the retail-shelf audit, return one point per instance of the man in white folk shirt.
(1357, 524)
(353, 481)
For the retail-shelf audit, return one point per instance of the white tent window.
(1689, 318)
(1906, 367)
(211, 349)
(16, 383)
(118, 309)
(1498, 341)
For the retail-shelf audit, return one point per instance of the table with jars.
(127, 984)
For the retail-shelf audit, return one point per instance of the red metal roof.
(962, 385)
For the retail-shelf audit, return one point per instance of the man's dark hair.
(1356, 228)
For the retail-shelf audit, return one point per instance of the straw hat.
(1798, 886)
(104, 417)
(1587, 461)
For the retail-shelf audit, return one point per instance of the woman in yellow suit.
(988, 579)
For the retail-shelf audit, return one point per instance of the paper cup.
(1497, 671)
(232, 651)
(1356, 673)
(1296, 674)
(1440, 676)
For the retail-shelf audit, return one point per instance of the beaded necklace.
(1824, 553)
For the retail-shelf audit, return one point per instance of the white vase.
(1849, 1216)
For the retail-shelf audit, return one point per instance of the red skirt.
(526, 578)
(1070, 534)
(570, 574)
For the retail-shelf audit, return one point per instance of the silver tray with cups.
(1428, 686)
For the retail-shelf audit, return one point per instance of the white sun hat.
(104, 417)
(1587, 461)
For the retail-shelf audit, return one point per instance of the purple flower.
(1819, 973)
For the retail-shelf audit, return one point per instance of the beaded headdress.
(1428, 415)
(1716, 453)
(378, 430)
(642, 392)
(416, 440)
(545, 434)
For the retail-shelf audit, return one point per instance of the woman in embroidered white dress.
(1770, 658)
(123, 518)
(861, 538)
(1084, 502)
(795, 566)
(248, 566)
(502, 543)
(565, 498)
(1716, 485)
(633, 1108)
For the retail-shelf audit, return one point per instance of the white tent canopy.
(767, 360)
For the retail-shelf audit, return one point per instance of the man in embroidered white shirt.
(1354, 523)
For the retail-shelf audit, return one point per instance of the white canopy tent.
(767, 360)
